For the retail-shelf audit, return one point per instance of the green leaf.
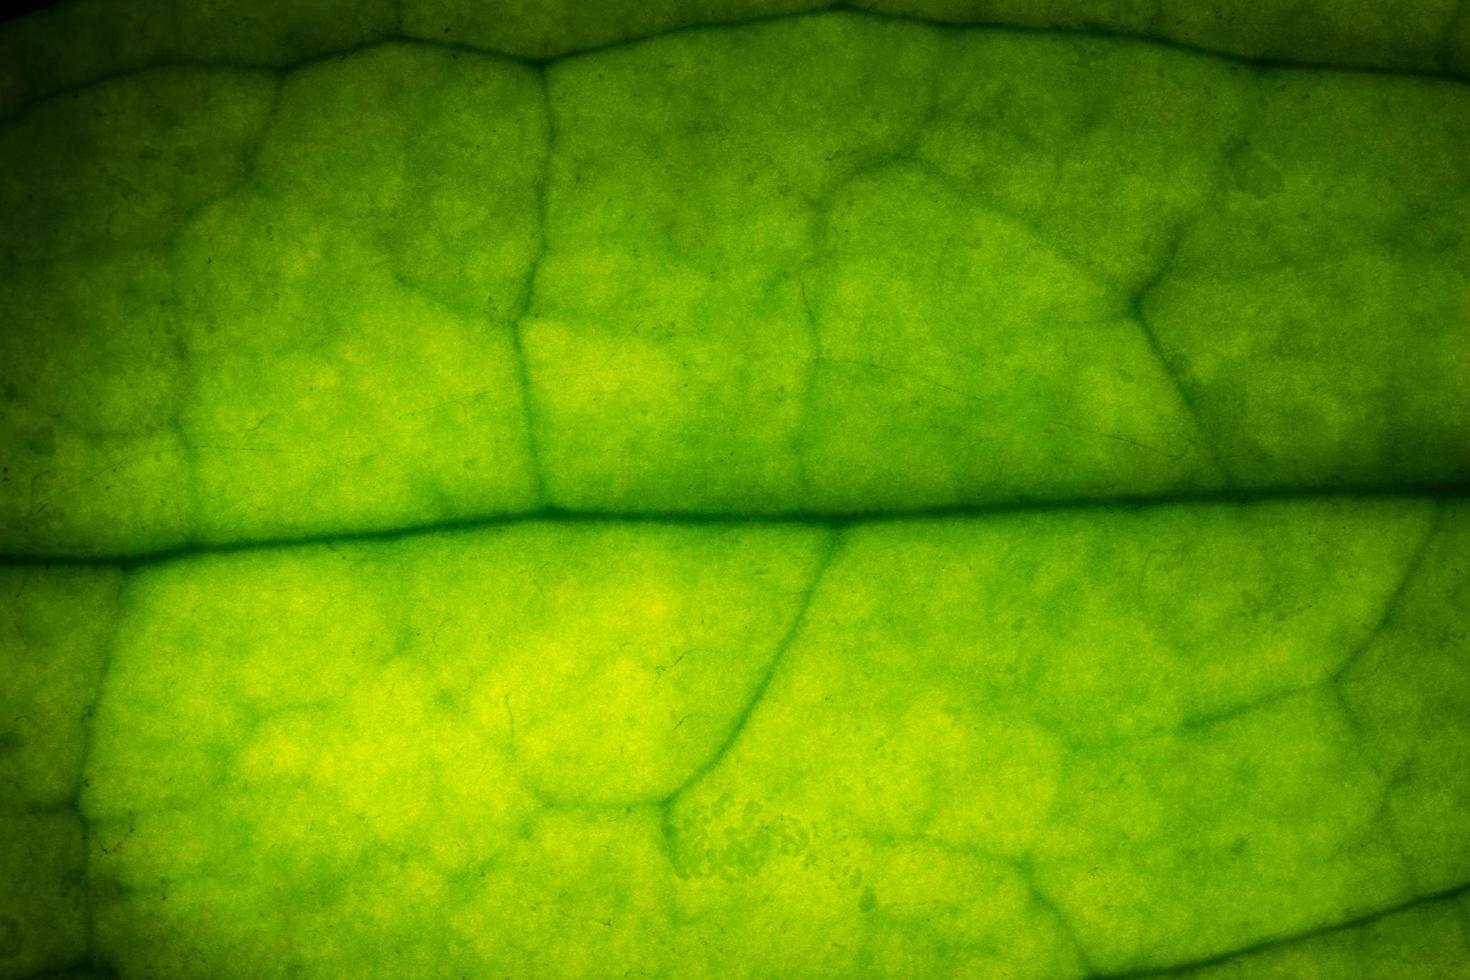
(625, 489)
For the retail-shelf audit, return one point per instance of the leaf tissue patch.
(750, 488)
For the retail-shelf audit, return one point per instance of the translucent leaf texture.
(945, 489)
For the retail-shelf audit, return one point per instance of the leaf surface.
(948, 490)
